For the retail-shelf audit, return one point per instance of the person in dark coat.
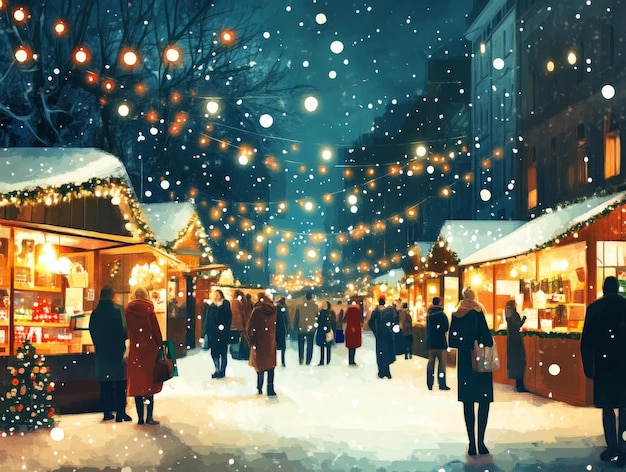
(515, 352)
(437, 325)
(405, 322)
(144, 335)
(352, 330)
(261, 333)
(603, 352)
(240, 315)
(382, 324)
(469, 325)
(282, 328)
(107, 326)
(216, 326)
(325, 334)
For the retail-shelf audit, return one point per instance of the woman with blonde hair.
(145, 339)
(469, 325)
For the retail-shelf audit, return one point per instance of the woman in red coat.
(144, 335)
(261, 333)
(352, 330)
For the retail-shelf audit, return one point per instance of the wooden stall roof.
(459, 239)
(544, 230)
(82, 189)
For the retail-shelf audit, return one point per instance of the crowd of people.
(127, 343)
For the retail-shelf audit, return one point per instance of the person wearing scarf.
(469, 325)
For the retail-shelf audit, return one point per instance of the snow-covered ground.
(330, 418)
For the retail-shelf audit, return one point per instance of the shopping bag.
(339, 336)
(78, 276)
(163, 368)
(170, 353)
(485, 358)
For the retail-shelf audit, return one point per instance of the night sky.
(384, 45)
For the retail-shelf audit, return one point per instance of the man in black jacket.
(107, 326)
(603, 352)
(437, 325)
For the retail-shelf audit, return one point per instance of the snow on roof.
(168, 219)
(29, 168)
(423, 247)
(465, 237)
(544, 229)
(392, 277)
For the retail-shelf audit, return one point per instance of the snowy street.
(330, 418)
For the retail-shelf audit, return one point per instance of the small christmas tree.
(28, 402)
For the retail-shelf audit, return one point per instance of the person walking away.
(515, 352)
(282, 328)
(238, 306)
(437, 325)
(381, 323)
(406, 328)
(107, 327)
(304, 320)
(144, 335)
(325, 334)
(261, 333)
(218, 329)
(352, 330)
(603, 352)
(469, 325)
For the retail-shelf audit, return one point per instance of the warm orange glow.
(243, 209)
(328, 198)
(59, 28)
(129, 58)
(215, 234)
(23, 54)
(497, 153)
(81, 55)
(486, 164)
(20, 15)
(411, 213)
(175, 98)
(91, 78)
(172, 54)
(108, 85)
(228, 37)
(141, 89)
(152, 116)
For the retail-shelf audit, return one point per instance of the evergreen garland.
(28, 402)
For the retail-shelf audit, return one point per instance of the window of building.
(577, 172)
(612, 146)
(532, 178)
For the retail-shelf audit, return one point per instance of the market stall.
(553, 267)
(70, 223)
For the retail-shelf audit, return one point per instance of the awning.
(546, 228)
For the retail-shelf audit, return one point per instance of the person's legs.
(223, 360)
(351, 353)
(430, 368)
(468, 414)
(282, 356)
(328, 354)
(270, 383)
(149, 410)
(610, 434)
(441, 369)
(621, 441)
(120, 402)
(483, 416)
(301, 348)
(216, 361)
(106, 399)
(309, 348)
(139, 407)
(259, 382)
(321, 355)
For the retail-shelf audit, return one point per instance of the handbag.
(233, 337)
(165, 365)
(330, 336)
(485, 358)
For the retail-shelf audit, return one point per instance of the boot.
(519, 386)
(150, 408)
(139, 407)
(259, 382)
(270, 383)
